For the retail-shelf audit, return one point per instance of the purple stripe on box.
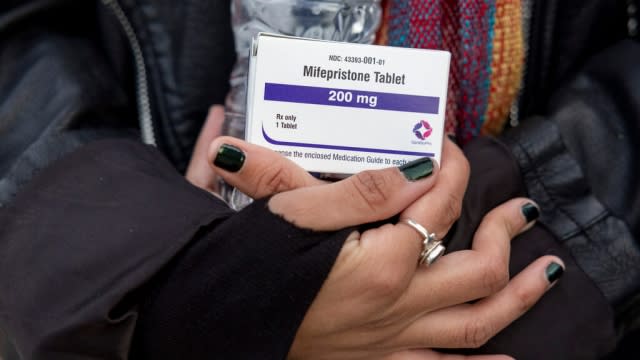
(345, 148)
(351, 98)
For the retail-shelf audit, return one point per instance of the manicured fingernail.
(554, 272)
(452, 137)
(229, 158)
(417, 169)
(530, 212)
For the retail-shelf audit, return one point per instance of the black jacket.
(72, 72)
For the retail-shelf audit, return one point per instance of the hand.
(375, 302)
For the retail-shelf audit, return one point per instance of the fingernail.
(452, 137)
(530, 212)
(417, 169)
(554, 272)
(229, 158)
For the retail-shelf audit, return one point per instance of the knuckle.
(524, 299)
(495, 275)
(491, 217)
(273, 179)
(476, 334)
(373, 187)
(497, 219)
(452, 208)
(386, 283)
(465, 166)
(497, 223)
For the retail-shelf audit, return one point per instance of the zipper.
(142, 87)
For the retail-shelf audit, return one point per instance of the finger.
(464, 276)
(427, 354)
(255, 170)
(365, 197)
(440, 208)
(471, 326)
(199, 172)
(507, 220)
(409, 251)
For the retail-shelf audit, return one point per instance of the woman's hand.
(376, 302)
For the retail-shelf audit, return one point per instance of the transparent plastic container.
(339, 20)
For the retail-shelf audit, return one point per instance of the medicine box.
(341, 108)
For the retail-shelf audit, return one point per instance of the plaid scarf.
(485, 41)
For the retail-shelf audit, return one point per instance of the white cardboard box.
(342, 108)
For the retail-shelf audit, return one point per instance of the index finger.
(199, 173)
(261, 172)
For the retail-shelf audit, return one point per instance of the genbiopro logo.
(422, 130)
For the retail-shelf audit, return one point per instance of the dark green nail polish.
(530, 212)
(554, 272)
(229, 158)
(417, 169)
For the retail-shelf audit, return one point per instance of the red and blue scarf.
(486, 45)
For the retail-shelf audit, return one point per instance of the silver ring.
(432, 249)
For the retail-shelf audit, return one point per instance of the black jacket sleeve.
(239, 291)
(112, 241)
(579, 162)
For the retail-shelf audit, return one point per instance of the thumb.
(368, 196)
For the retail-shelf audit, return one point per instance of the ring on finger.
(432, 248)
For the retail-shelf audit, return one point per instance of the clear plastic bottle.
(339, 20)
